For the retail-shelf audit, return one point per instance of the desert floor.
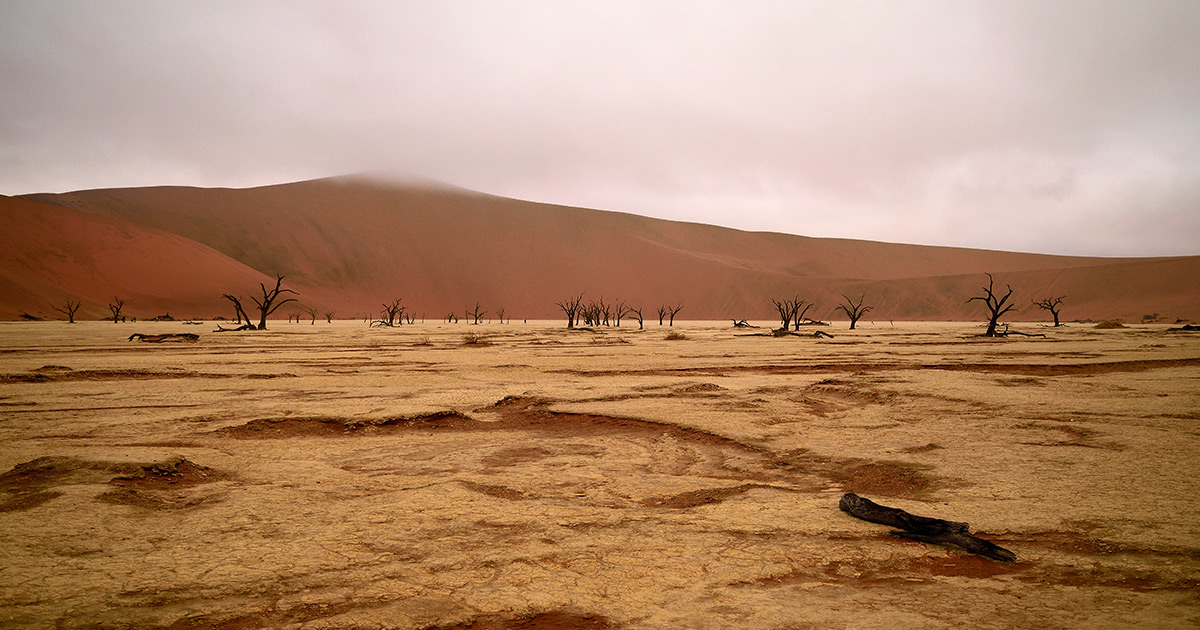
(340, 476)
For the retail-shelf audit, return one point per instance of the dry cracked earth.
(341, 476)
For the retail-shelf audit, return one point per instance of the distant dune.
(349, 243)
(50, 254)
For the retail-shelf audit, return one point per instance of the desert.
(590, 315)
(526, 475)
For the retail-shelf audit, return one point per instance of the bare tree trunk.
(1051, 304)
(269, 304)
(115, 306)
(800, 313)
(995, 305)
(853, 310)
(71, 307)
(237, 308)
(671, 311)
(570, 308)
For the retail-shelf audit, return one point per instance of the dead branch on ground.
(168, 337)
(923, 528)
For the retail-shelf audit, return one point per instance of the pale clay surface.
(653, 483)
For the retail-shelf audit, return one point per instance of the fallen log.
(165, 338)
(246, 326)
(923, 528)
(779, 332)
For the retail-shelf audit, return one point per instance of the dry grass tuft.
(475, 339)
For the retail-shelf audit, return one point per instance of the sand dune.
(50, 254)
(349, 243)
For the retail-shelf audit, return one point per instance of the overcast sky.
(1048, 126)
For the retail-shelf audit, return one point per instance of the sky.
(1046, 126)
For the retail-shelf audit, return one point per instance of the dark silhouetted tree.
(801, 311)
(570, 308)
(270, 301)
(995, 305)
(115, 306)
(476, 315)
(787, 310)
(239, 312)
(853, 310)
(1052, 304)
(620, 311)
(672, 311)
(637, 314)
(69, 309)
(329, 317)
(392, 313)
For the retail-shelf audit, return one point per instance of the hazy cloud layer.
(1063, 127)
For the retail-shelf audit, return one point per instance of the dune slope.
(350, 243)
(50, 254)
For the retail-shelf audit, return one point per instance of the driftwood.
(246, 326)
(780, 332)
(923, 528)
(741, 323)
(165, 338)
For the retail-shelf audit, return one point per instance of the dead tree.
(270, 301)
(570, 308)
(69, 309)
(115, 306)
(312, 314)
(499, 314)
(451, 318)
(637, 313)
(391, 310)
(671, 311)
(591, 312)
(801, 311)
(787, 310)
(476, 314)
(1052, 304)
(662, 314)
(241, 316)
(621, 310)
(329, 317)
(995, 305)
(923, 528)
(854, 311)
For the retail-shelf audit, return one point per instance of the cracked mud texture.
(338, 476)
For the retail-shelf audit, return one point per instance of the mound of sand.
(348, 244)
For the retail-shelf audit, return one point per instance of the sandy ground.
(339, 476)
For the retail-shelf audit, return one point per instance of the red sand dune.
(348, 244)
(50, 254)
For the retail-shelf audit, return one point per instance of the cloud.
(1011, 126)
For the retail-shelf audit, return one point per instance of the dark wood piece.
(165, 338)
(923, 528)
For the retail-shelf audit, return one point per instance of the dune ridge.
(349, 243)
